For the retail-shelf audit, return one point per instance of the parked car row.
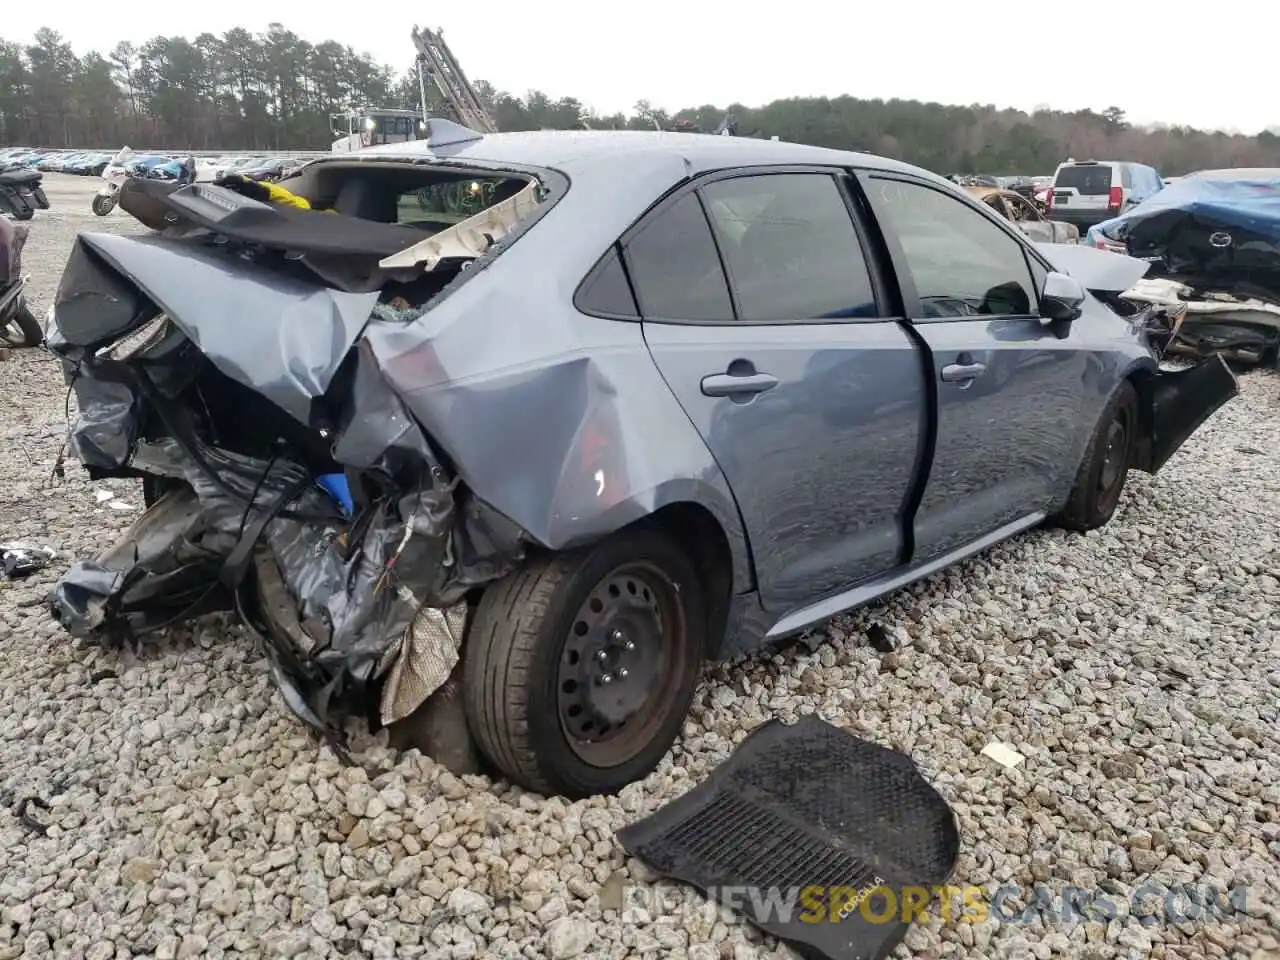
(21, 190)
(95, 163)
(61, 161)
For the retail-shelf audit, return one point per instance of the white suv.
(1087, 192)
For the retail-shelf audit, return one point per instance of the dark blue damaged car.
(496, 439)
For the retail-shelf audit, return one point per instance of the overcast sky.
(687, 53)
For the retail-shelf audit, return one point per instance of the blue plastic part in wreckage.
(335, 484)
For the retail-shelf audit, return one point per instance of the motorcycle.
(113, 175)
(18, 326)
(21, 192)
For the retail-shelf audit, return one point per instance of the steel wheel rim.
(1115, 454)
(631, 629)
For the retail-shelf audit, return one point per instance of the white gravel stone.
(1136, 669)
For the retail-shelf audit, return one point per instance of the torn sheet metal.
(362, 546)
(1171, 293)
(355, 590)
(1181, 401)
(105, 432)
(279, 335)
(1239, 327)
(472, 237)
(159, 572)
(1095, 269)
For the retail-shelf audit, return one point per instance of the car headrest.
(361, 197)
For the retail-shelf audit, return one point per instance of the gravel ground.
(1138, 670)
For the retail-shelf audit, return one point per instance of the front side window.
(961, 263)
(675, 268)
(790, 248)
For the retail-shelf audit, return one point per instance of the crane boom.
(436, 60)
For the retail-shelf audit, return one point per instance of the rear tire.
(22, 329)
(543, 641)
(1100, 481)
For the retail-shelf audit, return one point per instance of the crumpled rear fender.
(571, 448)
(1176, 403)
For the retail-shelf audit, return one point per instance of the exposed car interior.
(383, 209)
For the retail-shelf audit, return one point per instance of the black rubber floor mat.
(798, 828)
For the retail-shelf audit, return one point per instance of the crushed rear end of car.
(225, 362)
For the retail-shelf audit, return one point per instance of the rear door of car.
(775, 331)
(1081, 187)
(1008, 385)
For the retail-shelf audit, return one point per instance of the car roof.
(565, 149)
(1238, 173)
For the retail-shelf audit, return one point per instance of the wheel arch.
(698, 532)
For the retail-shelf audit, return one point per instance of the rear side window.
(675, 267)
(605, 291)
(790, 248)
(1090, 181)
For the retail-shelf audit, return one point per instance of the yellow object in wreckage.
(278, 194)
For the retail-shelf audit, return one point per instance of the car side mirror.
(1062, 298)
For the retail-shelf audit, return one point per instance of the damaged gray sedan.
(550, 419)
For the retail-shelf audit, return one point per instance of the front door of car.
(1009, 385)
(763, 317)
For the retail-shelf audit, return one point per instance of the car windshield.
(1091, 180)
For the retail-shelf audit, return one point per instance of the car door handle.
(962, 371)
(730, 385)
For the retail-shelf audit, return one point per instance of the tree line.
(275, 91)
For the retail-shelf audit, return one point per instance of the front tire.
(1099, 483)
(22, 329)
(581, 666)
(103, 205)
